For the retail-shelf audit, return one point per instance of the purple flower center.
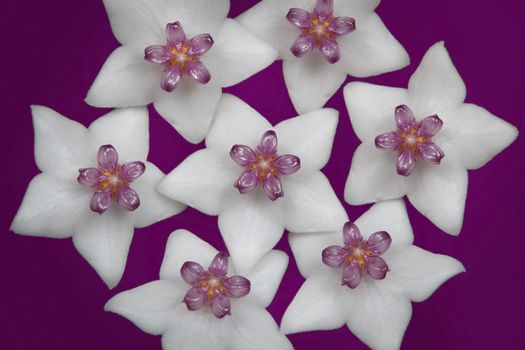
(111, 180)
(319, 29)
(358, 257)
(212, 287)
(263, 166)
(180, 57)
(412, 140)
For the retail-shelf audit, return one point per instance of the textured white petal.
(125, 80)
(184, 246)
(348, 8)
(60, 143)
(372, 108)
(189, 108)
(202, 181)
(419, 272)
(310, 204)
(436, 84)
(307, 248)
(474, 135)
(104, 240)
(51, 207)
(197, 17)
(251, 225)
(439, 192)
(235, 122)
(371, 49)
(309, 136)
(236, 55)
(150, 306)
(126, 129)
(373, 176)
(154, 206)
(266, 276)
(311, 81)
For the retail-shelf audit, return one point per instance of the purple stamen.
(357, 256)
(319, 29)
(111, 181)
(263, 166)
(412, 140)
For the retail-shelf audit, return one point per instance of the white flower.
(377, 310)
(158, 308)
(258, 193)
(435, 129)
(99, 207)
(158, 63)
(352, 41)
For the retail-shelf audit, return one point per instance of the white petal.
(318, 305)
(202, 181)
(197, 17)
(60, 143)
(371, 108)
(371, 49)
(439, 192)
(125, 80)
(235, 122)
(251, 225)
(310, 203)
(309, 136)
(474, 135)
(51, 207)
(150, 306)
(436, 84)
(311, 81)
(184, 246)
(236, 55)
(419, 272)
(104, 240)
(154, 206)
(307, 248)
(373, 176)
(189, 108)
(348, 8)
(266, 276)
(126, 129)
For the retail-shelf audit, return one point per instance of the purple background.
(51, 298)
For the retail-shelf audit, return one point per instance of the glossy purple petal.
(430, 152)
(299, 18)
(404, 118)
(198, 72)
(405, 163)
(100, 201)
(376, 267)
(127, 198)
(107, 158)
(302, 45)
(200, 44)
(342, 25)
(330, 50)
(195, 298)
(192, 273)
(352, 275)
(175, 34)
(248, 181)
(220, 305)
(287, 164)
(170, 78)
(242, 155)
(334, 256)
(272, 187)
(132, 170)
(429, 126)
(89, 177)
(156, 54)
(268, 143)
(388, 140)
(237, 286)
(324, 8)
(378, 242)
(351, 235)
(219, 264)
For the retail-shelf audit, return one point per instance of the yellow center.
(264, 166)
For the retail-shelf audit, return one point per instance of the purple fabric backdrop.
(51, 298)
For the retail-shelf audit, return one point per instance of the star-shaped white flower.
(321, 41)
(160, 307)
(377, 309)
(260, 179)
(438, 138)
(95, 186)
(178, 55)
